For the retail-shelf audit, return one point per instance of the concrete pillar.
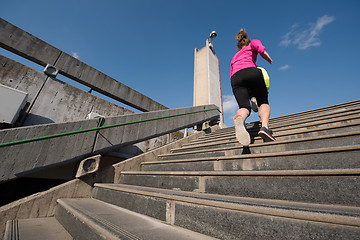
(207, 79)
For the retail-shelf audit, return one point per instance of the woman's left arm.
(266, 56)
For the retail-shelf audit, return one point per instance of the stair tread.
(40, 228)
(231, 137)
(328, 109)
(112, 221)
(311, 172)
(319, 111)
(260, 155)
(306, 139)
(316, 118)
(337, 214)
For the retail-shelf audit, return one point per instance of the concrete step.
(349, 119)
(342, 115)
(330, 186)
(35, 229)
(313, 121)
(93, 219)
(325, 158)
(316, 115)
(327, 110)
(230, 149)
(228, 217)
(281, 135)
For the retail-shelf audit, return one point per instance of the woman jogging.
(245, 77)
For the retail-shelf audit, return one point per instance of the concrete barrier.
(35, 155)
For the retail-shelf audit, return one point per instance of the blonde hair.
(242, 38)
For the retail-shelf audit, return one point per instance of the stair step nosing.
(275, 209)
(326, 108)
(311, 172)
(307, 139)
(279, 134)
(304, 124)
(319, 111)
(261, 155)
(275, 127)
(318, 115)
(278, 129)
(84, 215)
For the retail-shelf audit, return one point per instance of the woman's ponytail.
(242, 38)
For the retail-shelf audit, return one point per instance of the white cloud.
(76, 55)
(308, 37)
(287, 38)
(285, 67)
(229, 104)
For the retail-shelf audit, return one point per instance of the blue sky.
(149, 45)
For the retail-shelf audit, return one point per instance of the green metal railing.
(96, 128)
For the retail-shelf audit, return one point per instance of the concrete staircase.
(306, 185)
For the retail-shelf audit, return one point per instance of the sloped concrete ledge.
(28, 157)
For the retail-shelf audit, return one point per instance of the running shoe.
(254, 105)
(266, 134)
(240, 131)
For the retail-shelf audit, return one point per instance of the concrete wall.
(51, 100)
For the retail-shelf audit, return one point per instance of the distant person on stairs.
(246, 76)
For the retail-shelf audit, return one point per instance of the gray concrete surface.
(35, 229)
(228, 224)
(19, 160)
(307, 204)
(92, 219)
(334, 186)
(325, 141)
(109, 138)
(51, 100)
(228, 217)
(43, 204)
(329, 158)
(26, 45)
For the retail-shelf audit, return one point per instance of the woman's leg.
(265, 133)
(241, 133)
(259, 88)
(243, 112)
(241, 93)
(264, 114)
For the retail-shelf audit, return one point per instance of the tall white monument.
(207, 79)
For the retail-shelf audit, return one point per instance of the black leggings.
(249, 80)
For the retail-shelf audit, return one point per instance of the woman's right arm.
(266, 56)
